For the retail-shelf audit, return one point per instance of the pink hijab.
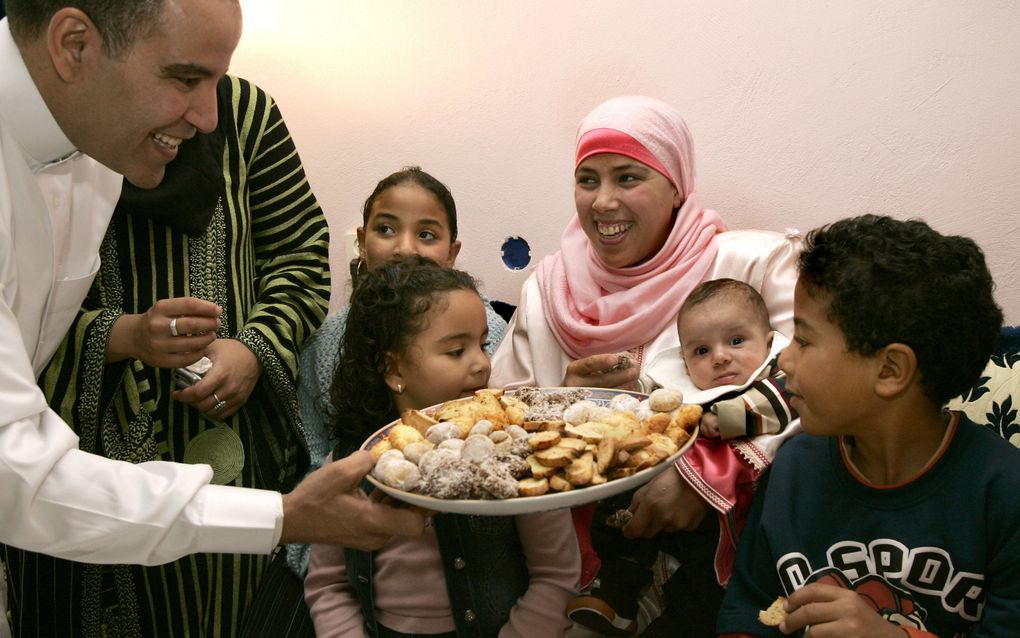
(596, 309)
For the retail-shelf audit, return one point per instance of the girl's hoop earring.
(361, 264)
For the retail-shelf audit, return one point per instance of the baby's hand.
(710, 425)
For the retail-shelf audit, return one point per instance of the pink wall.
(802, 111)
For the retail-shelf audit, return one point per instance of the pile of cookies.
(496, 446)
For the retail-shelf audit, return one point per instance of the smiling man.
(92, 90)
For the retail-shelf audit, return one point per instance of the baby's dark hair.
(715, 288)
(416, 175)
(388, 309)
(890, 281)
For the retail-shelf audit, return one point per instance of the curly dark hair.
(715, 288)
(890, 281)
(388, 309)
(120, 22)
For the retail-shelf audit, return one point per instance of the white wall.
(802, 111)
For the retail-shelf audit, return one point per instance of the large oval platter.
(529, 504)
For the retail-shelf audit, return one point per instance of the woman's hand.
(230, 380)
(666, 504)
(602, 371)
(832, 612)
(149, 337)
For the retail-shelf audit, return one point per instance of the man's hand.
(667, 503)
(602, 371)
(835, 612)
(328, 507)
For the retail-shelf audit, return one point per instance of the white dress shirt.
(55, 205)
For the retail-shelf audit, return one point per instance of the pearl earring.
(400, 388)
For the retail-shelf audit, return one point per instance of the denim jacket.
(484, 566)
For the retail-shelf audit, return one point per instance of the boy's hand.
(835, 612)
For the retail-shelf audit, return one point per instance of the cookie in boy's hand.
(775, 614)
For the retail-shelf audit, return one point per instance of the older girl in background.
(415, 336)
(410, 212)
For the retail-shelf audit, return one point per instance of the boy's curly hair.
(891, 281)
(388, 309)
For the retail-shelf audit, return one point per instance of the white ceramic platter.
(529, 504)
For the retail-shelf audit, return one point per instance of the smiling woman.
(639, 243)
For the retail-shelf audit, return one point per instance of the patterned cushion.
(994, 399)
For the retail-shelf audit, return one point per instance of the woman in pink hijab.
(599, 310)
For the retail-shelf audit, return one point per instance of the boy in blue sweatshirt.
(891, 515)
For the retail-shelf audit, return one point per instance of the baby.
(725, 338)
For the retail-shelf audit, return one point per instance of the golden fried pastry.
(580, 470)
(622, 421)
(537, 426)
(543, 440)
(688, 416)
(380, 447)
(775, 614)
(677, 434)
(532, 487)
(515, 409)
(400, 435)
(487, 406)
(417, 420)
(539, 469)
(634, 442)
(621, 472)
(658, 422)
(589, 432)
(605, 454)
(463, 413)
(555, 456)
(559, 484)
(577, 445)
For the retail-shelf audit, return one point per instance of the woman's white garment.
(531, 355)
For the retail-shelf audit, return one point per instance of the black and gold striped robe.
(263, 259)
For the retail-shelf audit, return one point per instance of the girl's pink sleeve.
(334, 607)
(554, 568)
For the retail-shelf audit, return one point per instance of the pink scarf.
(595, 309)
